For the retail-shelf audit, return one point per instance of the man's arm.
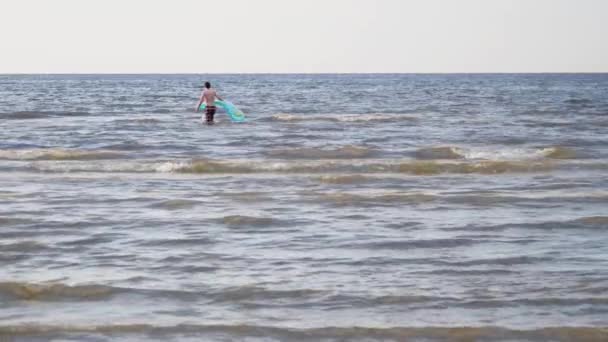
(200, 102)
(218, 97)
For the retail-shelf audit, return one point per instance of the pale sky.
(302, 36)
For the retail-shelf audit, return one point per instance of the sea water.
(347, 207)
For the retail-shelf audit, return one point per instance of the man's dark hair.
(207, 85)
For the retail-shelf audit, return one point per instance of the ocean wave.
(446, 152)
(484, 199)
(534, 302)
(93, 166)
(367, 333)
(328, 166)
(58, 154)
(463, 273)
(593, 221)
(415, 244)
(589, 222)
(126, 146)
(25, 115)
(176, 204)
(344, 152)
(343, 118)
(373, 301)
(139, 121)
(484, 167)
(168, 243)
(249, 221)
(161, 111)
(9, 221)
(251, 294)
(491, 154)
(372, 199)
(538, 197)
(344, 179)
(560, 153)
(248, 196)
(53, 292)
(578, 101)
(23, 247)
(503, 261)
(7, 194)
(545, 124)
(208, 166)
(290, 136)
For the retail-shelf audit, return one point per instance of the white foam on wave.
(117, 166)
(346, 118)
(490, 153)
(308, 166)
(502, 154)
(57, 154)
(170, 167)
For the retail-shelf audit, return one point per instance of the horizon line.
(309, 73)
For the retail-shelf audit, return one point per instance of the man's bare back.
(209, 96)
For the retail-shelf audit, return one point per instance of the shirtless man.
(208, 96)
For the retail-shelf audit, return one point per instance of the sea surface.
(346, 208)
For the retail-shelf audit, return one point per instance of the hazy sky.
(205, 36)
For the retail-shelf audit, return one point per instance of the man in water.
(208, 96)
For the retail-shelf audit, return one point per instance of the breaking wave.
(53, 292)
(453, 152)
(344, 118)
(58, 154)
(440, 153)
(240, 331)
(343, 179)
(329, 166)
(560, 153)
(345, 152)
(484, 167)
